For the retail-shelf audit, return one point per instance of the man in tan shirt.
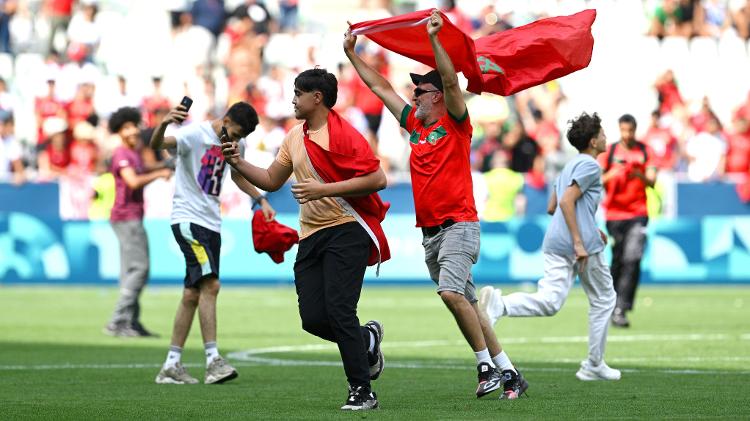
(340, 213)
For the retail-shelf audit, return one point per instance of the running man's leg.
(344, 262)
(634, 243)
(597, 282)
(309, 283)
(552, 290)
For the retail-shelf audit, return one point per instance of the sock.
(173, 356)
(212, 351)
(371, 348)
(502, 361)
(483, 356)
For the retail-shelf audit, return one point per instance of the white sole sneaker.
(586, 373)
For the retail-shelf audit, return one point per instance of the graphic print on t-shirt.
(212, 170)
(431, 138)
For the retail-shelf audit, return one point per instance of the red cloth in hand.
(272, 237)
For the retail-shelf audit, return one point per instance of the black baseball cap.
(432, 77)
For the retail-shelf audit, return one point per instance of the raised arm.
(374, 80)
(454, 98)
(158, 141)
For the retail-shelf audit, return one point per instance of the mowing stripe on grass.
(253, 357)
(254, 361)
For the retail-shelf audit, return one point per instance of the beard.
(423, 110)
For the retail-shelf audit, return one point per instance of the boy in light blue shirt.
(572, 245)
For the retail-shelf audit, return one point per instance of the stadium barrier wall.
(41, 249)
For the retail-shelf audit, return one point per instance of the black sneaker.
(490, 379)
(360, 399)
(619, 319)
(142, 331)
(514, 385)
(375, 358)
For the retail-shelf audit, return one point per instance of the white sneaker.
(491, 304)
(175, 374)
(219, 371)
(589, 372)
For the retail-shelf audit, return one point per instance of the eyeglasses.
(419, 91)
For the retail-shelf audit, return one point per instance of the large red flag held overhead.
(502, 63)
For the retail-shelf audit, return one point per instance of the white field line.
(254, 361)
(252, 357)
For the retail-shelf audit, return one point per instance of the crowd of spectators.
(222, 51)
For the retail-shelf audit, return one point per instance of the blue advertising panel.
(36, 249)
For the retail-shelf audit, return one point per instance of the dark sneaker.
(514, 385)
(360, 399)
(489, 379)
(619, 319)
(142, 331)
(375, 358)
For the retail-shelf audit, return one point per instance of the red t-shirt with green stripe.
(440, 168)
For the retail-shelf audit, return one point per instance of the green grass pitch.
(685, 357)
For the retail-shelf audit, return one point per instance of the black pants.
(630, 240)
(328, 275)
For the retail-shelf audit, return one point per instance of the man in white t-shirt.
(196, 225)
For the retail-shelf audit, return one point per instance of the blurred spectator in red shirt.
(54, 157)
(663, 143)
(363, 98)
(82, 106)
(669, 93)
(154, 102)
(738, 148)
(83, 151)
(744, 110)
(59, 12)
(700, 119)
(47, 107)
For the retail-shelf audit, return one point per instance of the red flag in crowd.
(502, 63)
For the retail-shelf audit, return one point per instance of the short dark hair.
(582, 129)
(629, 119)
(245, 115)
(319, 80)
(124, 115)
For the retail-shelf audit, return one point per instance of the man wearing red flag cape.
(340, 234)
(440, 136)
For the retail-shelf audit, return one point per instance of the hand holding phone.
(186, 102)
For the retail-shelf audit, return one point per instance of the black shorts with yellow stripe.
(201, 247)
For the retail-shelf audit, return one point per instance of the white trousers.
(553, 289)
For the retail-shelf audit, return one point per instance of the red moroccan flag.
(503, 63)
(406, 35)
(532, 54)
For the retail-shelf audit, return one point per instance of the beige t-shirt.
(316, 214)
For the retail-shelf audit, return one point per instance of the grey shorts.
(449, 256)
